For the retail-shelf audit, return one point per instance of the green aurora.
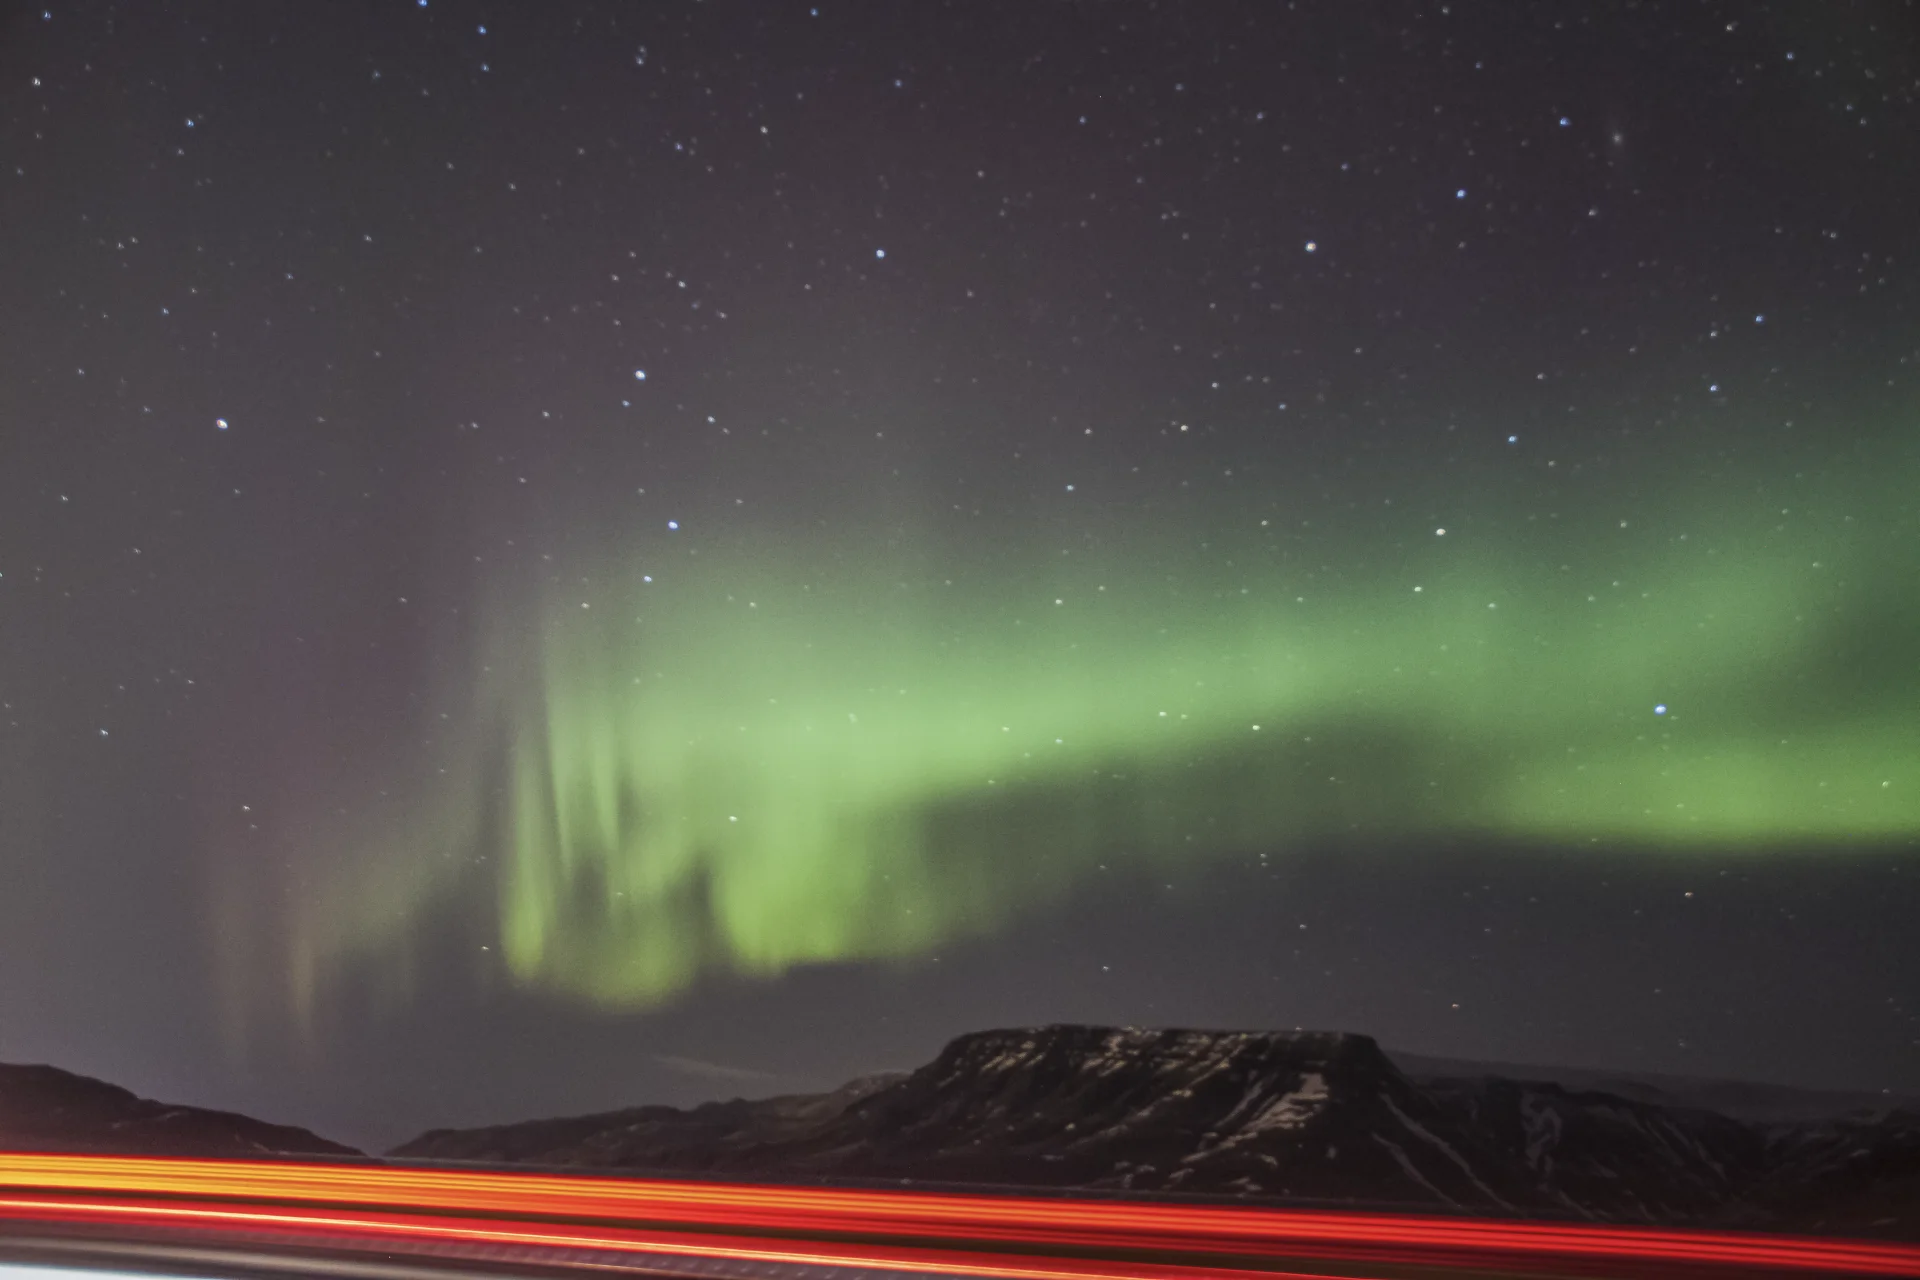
(756, 755)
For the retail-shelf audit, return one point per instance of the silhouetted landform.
(1269, 1117)
(47, 1109)
(1742, 1099)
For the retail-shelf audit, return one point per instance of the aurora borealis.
(569, 555)
(749, 761)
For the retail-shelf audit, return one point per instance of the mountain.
(714, 1137)
(1323, 1117)
(47, 1109)
(1743, 1099)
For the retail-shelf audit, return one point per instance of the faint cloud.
(705, 1070)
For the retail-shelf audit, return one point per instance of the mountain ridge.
(46, 1108)
(1326, 1117)
(1742, 1099)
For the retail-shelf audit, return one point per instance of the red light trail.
(1006, 1236)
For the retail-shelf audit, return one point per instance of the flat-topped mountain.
(1271, 1116)
(47, 1109)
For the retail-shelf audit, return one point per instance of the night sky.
(557, 555)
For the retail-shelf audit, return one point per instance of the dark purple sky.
(320, 403)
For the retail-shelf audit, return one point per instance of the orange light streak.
(924, 1227)
(362, 1227)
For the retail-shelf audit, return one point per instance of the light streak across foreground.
(424, 1211)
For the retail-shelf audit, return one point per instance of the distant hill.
(1266, 1116)
(1742, 1099)
(47, 1109)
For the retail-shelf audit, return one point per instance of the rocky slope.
(46, 1109)
(1741, 1099)
(1272, 1116)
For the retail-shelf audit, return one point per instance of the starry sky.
(570, 554)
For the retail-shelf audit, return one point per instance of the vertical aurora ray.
(766, 756)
